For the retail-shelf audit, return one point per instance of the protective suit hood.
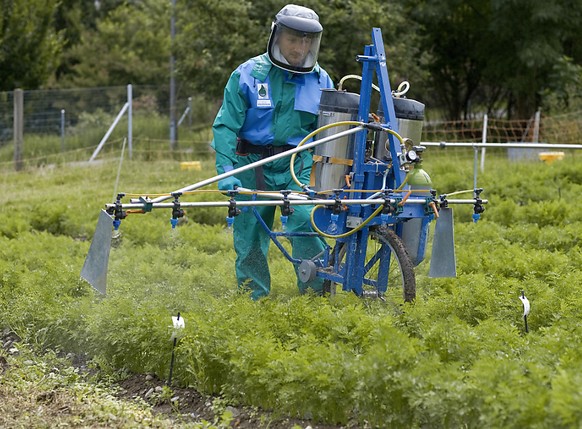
(295, 39)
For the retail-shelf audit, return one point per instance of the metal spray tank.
(332, 161)
(410, 116)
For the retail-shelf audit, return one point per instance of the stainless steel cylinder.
(332, 160)
(409, 116)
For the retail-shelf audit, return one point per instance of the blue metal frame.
(366, 176)
(274, 236)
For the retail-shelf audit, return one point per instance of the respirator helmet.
(294, 40)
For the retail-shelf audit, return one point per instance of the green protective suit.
(265, 105)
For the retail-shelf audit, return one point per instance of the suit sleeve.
(228, 122)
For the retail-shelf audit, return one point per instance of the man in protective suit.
(270, 104)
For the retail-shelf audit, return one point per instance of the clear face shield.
(293, 50)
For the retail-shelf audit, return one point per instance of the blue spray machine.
(372, 201)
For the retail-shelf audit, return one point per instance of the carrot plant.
(458, 356)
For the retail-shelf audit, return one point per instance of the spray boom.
(370, 196)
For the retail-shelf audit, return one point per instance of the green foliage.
(131, 44)
(462, 58)
(399, 33)
(30, 44)
(214, 38)
(479, 61)
(457, 357)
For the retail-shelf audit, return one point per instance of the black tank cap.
(333, 100)
(405, 108)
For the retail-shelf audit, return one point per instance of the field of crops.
(459, 356)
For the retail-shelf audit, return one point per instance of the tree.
(348, 28)
(532, 39)
(30, 44)
(453, 32)
(215, 37)
(129, 45)
(489, 53)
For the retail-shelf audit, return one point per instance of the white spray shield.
(443, 262)
(95, 267)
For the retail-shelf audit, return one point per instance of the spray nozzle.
(286, 209)
(443, 202)
(232, 210)
(177, 212)
(387, 208)
(337, 206)
(119, 214)
(118, 211)
(386, 205)
(333, 227)
(478, 205)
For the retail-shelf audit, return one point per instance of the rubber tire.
(399, 254)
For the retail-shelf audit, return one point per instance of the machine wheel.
(401, 273)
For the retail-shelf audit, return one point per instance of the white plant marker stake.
(178, 325)
(526, 308)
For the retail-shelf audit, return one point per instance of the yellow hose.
(460, 192)
(345, 234)
(402, 88)
(302, 186)
(360, 226)
(353, 76)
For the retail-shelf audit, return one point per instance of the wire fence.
(562, 129)
(52, 111)
(68, 124)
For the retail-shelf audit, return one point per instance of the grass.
(150, 141)
(43, 390)
(458, 356)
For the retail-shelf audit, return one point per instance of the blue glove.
(229, 183)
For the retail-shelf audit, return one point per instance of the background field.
(458, 356)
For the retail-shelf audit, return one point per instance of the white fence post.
(109, 131)
(173, 123)
(62, 130)
(484, 140)
(130, 120)
(536, 131)
(18, 128)
(188, 111)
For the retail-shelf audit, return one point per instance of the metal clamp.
(387, 206)
(397, 206)
(148, 204)
(337, 206)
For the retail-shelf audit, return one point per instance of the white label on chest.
(263, 99)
